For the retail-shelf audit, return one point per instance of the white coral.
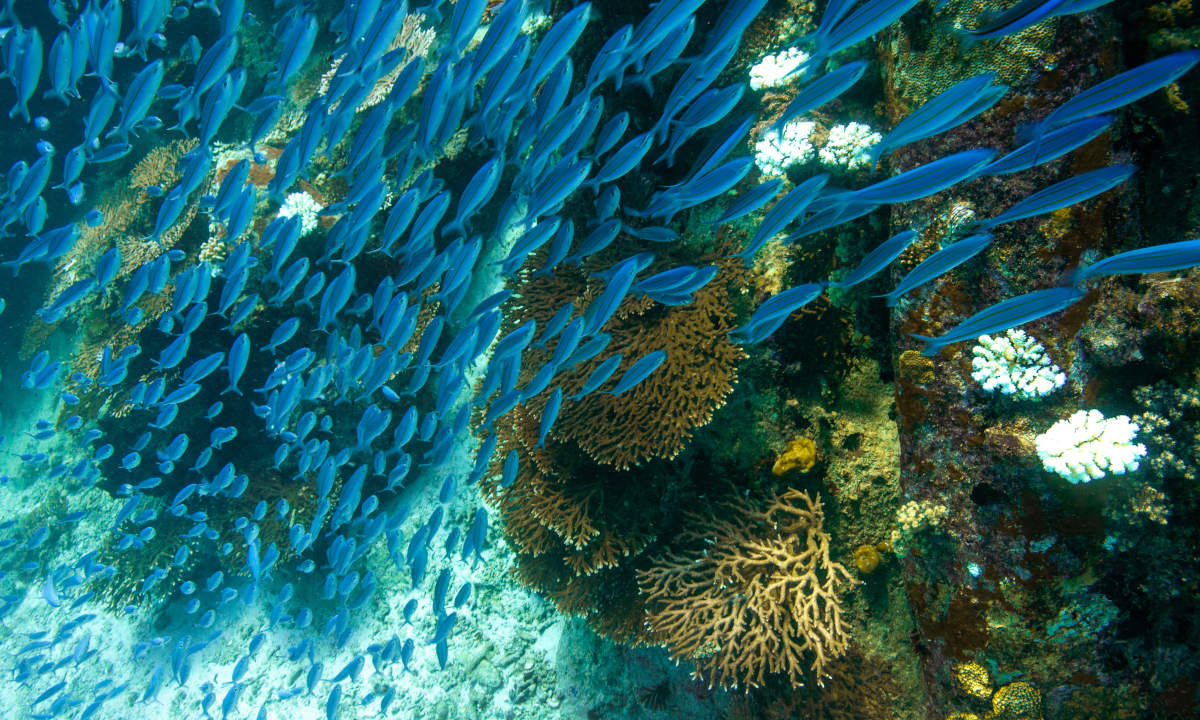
(302, 204)
(1087, 446)
(772, 70)
(1015, 364)
(777, 149)
(849, 146)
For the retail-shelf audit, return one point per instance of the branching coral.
(657, 417)
(758, 594)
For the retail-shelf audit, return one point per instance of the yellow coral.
(761, 596)
(866, 559)
(1017, 701)
(974, 680)
(800, 454)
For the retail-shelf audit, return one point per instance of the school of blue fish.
(370, 382)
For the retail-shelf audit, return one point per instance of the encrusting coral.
(758, 593)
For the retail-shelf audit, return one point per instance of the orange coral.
(656, 418)
(759, 595)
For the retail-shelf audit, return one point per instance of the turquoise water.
(525, 360)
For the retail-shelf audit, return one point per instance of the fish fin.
(932, 345)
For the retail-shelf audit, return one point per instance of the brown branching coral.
(552, 508)
(760, 596)
(657, 417)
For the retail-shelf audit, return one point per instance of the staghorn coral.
(757, 593)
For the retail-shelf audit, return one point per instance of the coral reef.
(758, 594)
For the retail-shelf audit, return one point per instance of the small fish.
(878, 259)
(820, 91)
(938, 264)
(774, 311)
(782, 213)
(1062, 194)
(639, 371)
(1026, 14)
(1054, 144)
(842, 27)
(1004, 315)
(239, 354)
(605, 306)
(950, 108)
(1119, 91)
(1153, 259)
(927, 179)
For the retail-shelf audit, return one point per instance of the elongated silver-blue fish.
(1153, 259)
(770, 315)
(878, 259)
(927, 179)
(1121, 90)
(1062, 194)
(1004, 315)
(1055, 144)
(939, 263)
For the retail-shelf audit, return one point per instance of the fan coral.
(655, 418)
(757, 594)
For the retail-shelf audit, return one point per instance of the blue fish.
(1062, 194)
(782, 214)
(822, 90)
(610, 134)
(139, 94)
(878, 259)
(28, 69)
(950, 108)
(927, 179)
(694, 80)
(708, 108)
(1054, 144)
(478, 191)
(298, 42)
(771, 314)
(1153, 259)
(1119, 91)
(939, 263)
(498, 40)
(639, 371)
(605, 305)
(1026, 14)
(1004, 315)
(599, 376)
(598, 239)
(660, 56)
(555, 45)
(841, 27)
(239, 353)
(59, 72)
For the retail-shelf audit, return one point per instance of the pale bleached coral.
(1088, 446)
(1015, 364)
(773, 70)
(777, 149)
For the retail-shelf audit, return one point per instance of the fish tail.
(1075, 276)
(932, 345)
